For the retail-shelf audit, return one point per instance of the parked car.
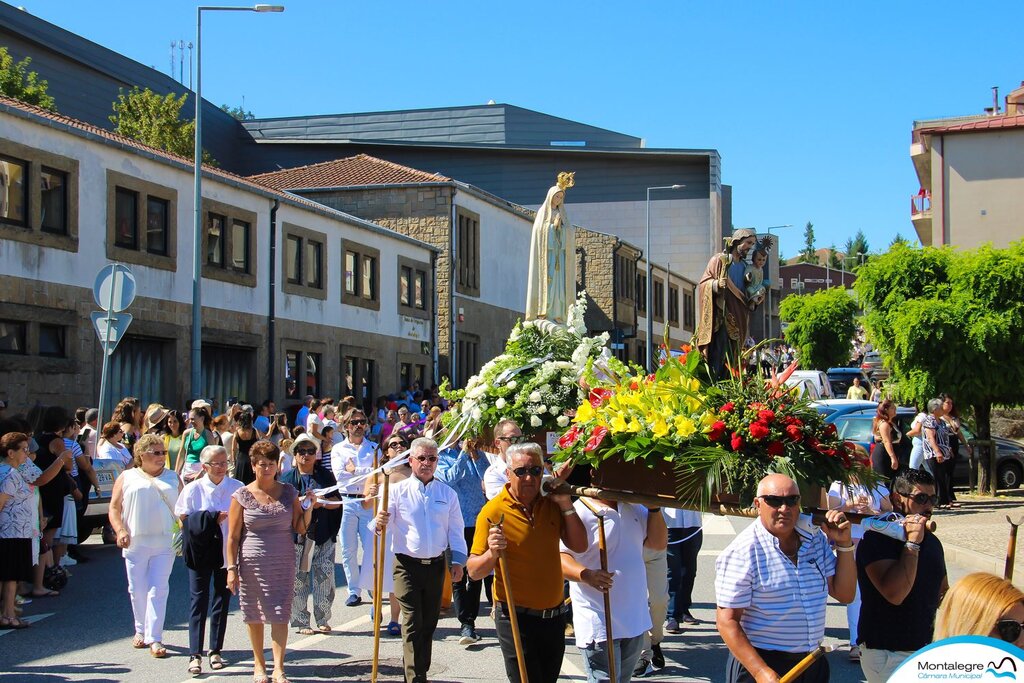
(805, 388)
(95, 516)
(853, 423)
(819, 379)
(842, 378)
(873, 366)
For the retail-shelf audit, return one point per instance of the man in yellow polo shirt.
(533, 526)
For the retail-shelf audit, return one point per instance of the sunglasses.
(357, 423)
(778, 501)
(511, 439)
(394, 446)
(533, 471)
(156, 452)
(305, 451)
(1009, 630)
(426, 458)
(921, 498)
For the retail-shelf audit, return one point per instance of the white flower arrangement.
(535, 381)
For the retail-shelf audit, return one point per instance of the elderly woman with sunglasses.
(982, 605)
(142, 515)
(392, 448)
(314, 550)
(203, 509)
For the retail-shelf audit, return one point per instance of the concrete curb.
(973, 560)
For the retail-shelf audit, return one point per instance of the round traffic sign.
(115, 287)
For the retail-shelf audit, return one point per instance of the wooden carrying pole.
(817, 514)
(603, 548)
(517, 640)
(1011, 549)
(378, 579)
(805, 664)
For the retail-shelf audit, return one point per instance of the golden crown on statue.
(566, 179)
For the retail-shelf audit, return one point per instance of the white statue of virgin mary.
(551, 287)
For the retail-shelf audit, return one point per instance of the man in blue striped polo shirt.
(772, 583)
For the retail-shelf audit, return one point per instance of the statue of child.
(753, 275)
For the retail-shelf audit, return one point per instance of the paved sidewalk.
(975, 536)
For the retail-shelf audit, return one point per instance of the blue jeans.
(355, 529)
(682, 568)
(627, 654)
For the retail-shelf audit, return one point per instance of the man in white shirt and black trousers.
(772, 583)
(424, 519)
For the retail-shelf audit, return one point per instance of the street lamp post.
(650, 282)
(771, 310)
(197, 221)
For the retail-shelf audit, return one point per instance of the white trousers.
(355, 529)
(879, 665)
(149, 570)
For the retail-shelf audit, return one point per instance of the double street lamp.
(650, 282)
(197, 236)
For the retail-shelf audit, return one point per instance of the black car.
(842, 378)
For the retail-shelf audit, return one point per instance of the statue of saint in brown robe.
(724, 311)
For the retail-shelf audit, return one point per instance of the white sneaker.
(68, 561)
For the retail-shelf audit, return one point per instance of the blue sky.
(810, 104)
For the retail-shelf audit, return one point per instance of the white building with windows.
(297, 297)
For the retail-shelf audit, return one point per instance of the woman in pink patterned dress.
(261, 554)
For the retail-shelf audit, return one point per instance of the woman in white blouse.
(110, 446)
(142, 515)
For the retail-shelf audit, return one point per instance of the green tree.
(153, 120)
(18, 82)
(899, 239)
(821, 326)
(857, 249)
(240, 113)
(951, 322)
(835, 260)
(807, 255)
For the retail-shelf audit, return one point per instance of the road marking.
(571, 670)
(718, 525)
(297, 645)
(31, 620)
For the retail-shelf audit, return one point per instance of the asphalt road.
(84, 635)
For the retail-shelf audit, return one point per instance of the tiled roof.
(358, 170)
(59, 120)
(989, 123)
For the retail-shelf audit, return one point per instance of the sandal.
(138, 642)
(326, 628)
(13, 624)
(260, 678)
(394, 629)
(195, 665)
(157, 650)
(306, 631)
(45, 594)
(281, 679)
(216, 661)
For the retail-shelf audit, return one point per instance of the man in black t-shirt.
(901, 582)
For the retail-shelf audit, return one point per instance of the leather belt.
(420, 560)
(539, 613)
(351, 495)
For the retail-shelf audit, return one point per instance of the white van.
(818, 378)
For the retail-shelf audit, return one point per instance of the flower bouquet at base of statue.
(535, 381)
(719, 437)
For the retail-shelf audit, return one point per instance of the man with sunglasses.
(901, 582)
(351, 460)
(506, 433)
(425, 519)
(532, 527)
(772, 584)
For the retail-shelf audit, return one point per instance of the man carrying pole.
(529, 536)
(425, 519)
(629, 528)
(772, 583)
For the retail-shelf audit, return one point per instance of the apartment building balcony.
(921, 216)
(921, 156)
